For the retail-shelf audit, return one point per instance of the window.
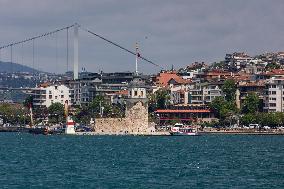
(55, 97)
(62, 96)
(142, 93)
(56, 87)
(272, 104)
(49, 92)
(50, 96)
(135, 93)
(273, 92)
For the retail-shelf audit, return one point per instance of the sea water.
(208, 161)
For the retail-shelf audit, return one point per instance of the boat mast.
(31, 115)
(66, 110)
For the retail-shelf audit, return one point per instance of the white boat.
(181, 130)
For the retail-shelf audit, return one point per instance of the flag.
(137, 53)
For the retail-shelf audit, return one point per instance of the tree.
(158, 100)
(56, 112)
(162, 98)
(223, 110)
(28, 101)
(248, 119)
(13, 113)
(217, 105)
(229, 88)
(97, 103)
(251, 104)
(272, 65)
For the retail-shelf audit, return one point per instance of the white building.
(45, 95)
(274, 95)
(203, 93)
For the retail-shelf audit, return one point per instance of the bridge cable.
(36, 37)
(22, 51)
(119, 46)
(33, 56)
(11, 58)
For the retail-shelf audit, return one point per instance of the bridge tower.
(76, 52)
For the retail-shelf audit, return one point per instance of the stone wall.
(134, 122)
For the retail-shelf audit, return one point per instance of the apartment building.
(47, 94)
(204, 93)
(274, 95)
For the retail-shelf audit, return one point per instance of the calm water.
(210, 161)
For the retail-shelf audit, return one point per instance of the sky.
(169, 32)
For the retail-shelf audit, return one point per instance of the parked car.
(266, 127)
(253, 126)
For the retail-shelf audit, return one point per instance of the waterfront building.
(47, 94)
(274, 95)
(185, 114)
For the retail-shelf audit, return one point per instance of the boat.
(39, 130)
(182, 130)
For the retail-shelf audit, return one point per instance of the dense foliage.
(229, 89)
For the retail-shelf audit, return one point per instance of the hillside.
(14, 67)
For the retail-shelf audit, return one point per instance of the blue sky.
(168, 32)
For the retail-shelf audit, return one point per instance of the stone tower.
(137, 105)
(136, 114)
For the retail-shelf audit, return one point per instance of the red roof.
(164, 78)
(183, 111)
(44, 85)
(275, 72)
(122, 92)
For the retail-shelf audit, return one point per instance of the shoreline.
(158, 133)
(240, 133)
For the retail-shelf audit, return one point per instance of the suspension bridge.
(67, 29)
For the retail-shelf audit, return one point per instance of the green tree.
(97, 103)
(223, 110)
(251, 104)
(217, 106)
(248, 119)
(229, 88)
(28, 101)
(272, 65)
(272, 119)
(56, 112)
(158, 100)
(13, 113)
(162, 98)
